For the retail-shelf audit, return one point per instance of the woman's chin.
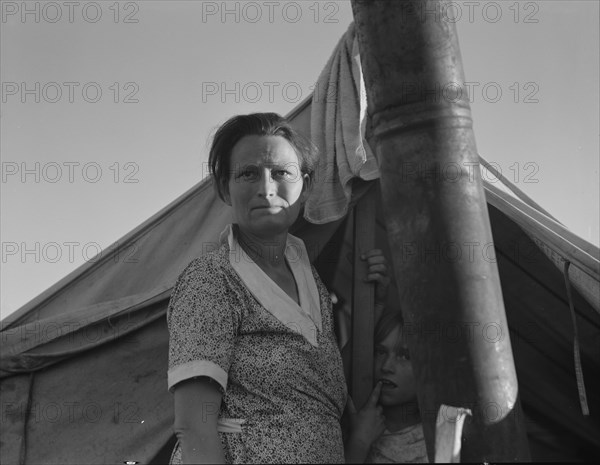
(266, 228)
(268, 224)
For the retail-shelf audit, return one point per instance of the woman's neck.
(266, 251)
(401, 416)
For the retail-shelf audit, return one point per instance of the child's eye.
(379, 352)
(403, 354)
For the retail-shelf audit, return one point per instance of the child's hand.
(378, 273)
(368, 423)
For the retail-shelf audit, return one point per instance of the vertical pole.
(363, 300)
(438, 225)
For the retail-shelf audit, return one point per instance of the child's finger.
(374, 397)
(377, 267)
(376, 259)
(371, 253)
(377, 277)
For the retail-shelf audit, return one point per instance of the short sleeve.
(203, 324)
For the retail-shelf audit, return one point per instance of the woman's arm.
(197, 404)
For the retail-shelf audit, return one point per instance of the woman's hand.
(366, 426)
(378, 273)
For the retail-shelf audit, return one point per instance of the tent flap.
(96, 342)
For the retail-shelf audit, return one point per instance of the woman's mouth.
(267, 207)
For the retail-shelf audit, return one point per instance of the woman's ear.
(306, 187)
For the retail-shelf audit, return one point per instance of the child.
(388, 428)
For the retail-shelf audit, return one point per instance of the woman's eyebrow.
(275, 164)
(240, 167)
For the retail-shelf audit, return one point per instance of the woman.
(253, 362)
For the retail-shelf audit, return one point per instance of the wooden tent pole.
(438, 224)
(363, 300)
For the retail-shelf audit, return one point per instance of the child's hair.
(390, 319)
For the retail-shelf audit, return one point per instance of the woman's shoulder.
(210, 266)
(208, 278)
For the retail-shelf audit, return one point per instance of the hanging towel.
(448, 433)
(338, 120)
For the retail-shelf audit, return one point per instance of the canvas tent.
(83, 367)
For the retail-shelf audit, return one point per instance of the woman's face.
(266, 186)
(392, 366)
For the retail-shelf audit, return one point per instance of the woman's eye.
(246, 174)
(281, 174)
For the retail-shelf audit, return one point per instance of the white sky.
(172, 65)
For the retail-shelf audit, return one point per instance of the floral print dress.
(277, 362)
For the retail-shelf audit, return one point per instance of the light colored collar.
(304, 318)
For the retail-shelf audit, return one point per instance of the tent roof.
(104, 324)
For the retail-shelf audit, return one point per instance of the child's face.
(392, 366)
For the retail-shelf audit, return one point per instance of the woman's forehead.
(263, 150)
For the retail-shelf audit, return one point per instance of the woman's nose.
(266, 186)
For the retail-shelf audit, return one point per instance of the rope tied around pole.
(585, 410)
(23, 449)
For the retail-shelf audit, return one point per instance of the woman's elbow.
(199, 445)
(196, 431)
(182, 431)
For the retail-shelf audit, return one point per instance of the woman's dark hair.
(256, 124)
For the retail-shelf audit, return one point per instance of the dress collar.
(304, 318)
